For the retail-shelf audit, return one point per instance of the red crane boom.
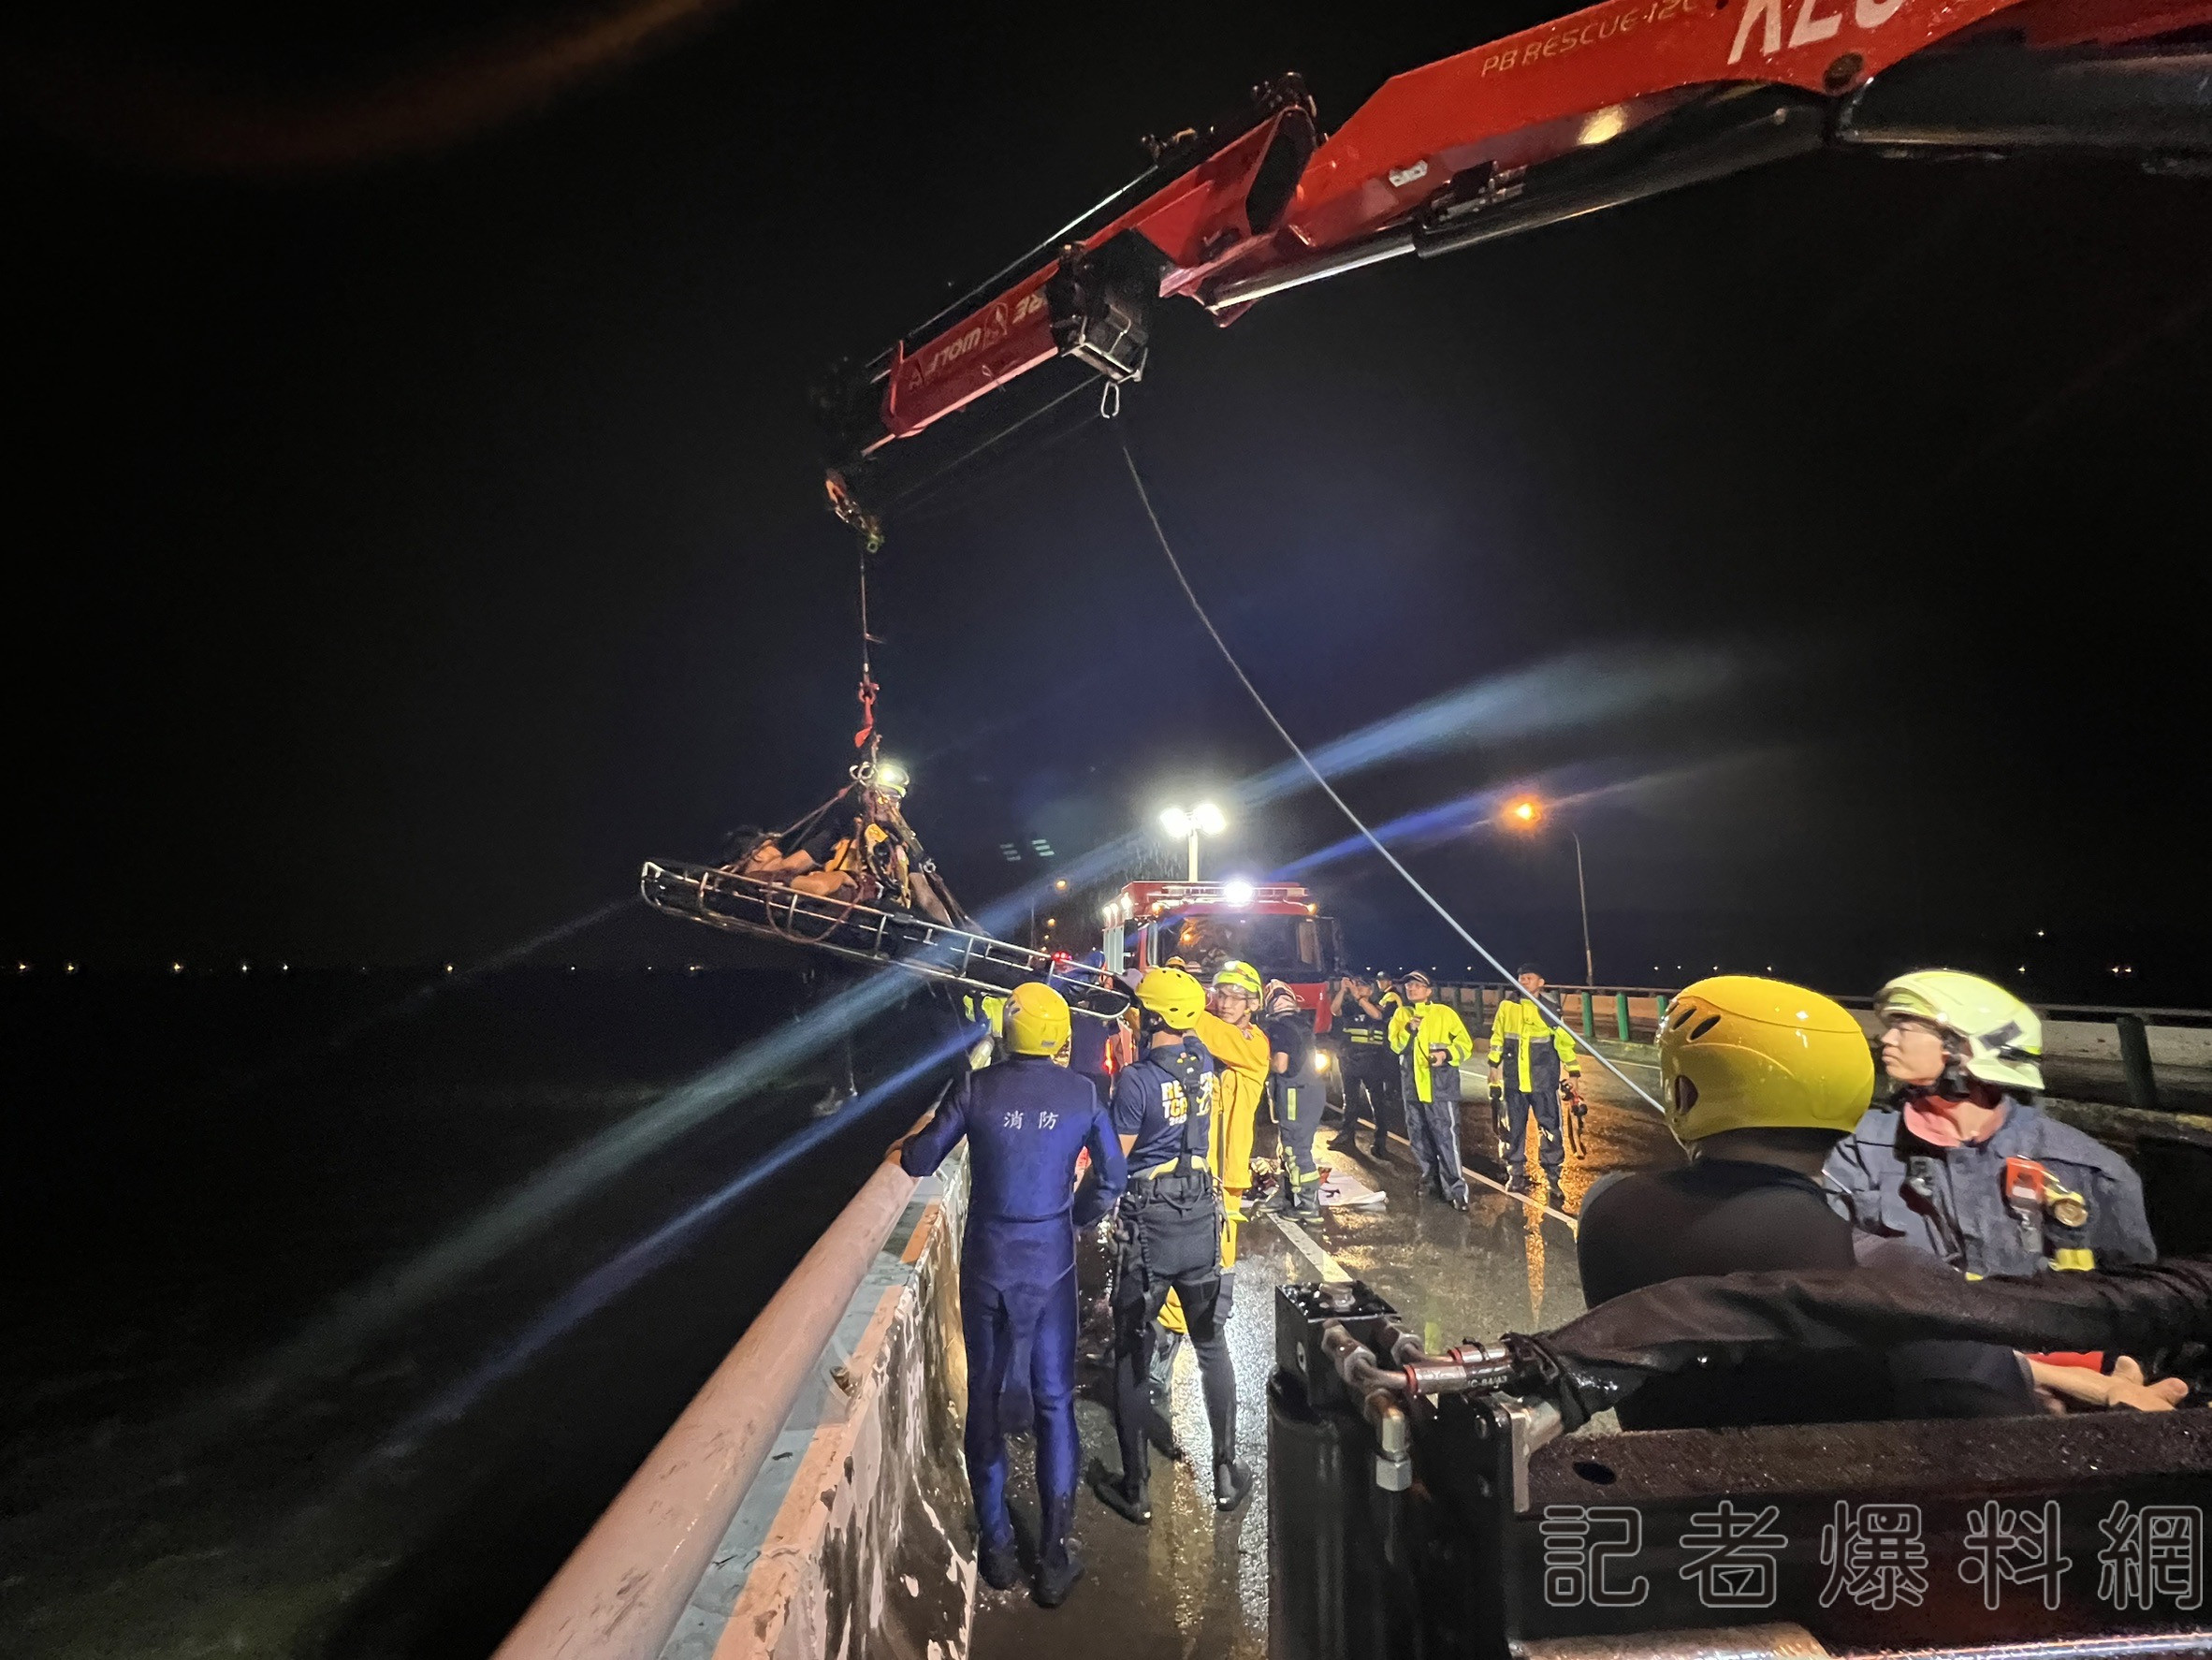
(1626, 99)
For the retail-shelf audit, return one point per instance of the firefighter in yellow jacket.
(1241, 1054)
(1528, 1054)
(1433, 1040)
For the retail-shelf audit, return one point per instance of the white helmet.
(1997, 1036)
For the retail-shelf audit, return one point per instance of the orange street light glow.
(1525, 811)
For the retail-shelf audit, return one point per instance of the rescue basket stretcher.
(864, 934)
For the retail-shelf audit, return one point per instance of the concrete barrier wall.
(854, 1543)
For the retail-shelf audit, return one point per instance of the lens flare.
(601, 1286)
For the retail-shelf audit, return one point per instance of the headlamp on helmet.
(1236, 976)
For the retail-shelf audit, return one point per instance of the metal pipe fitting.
(1393, 1442)
(1355, 1363)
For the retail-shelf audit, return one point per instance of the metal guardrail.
(2130, 1024)
(624, 1587)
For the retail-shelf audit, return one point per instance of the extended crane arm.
(1626, 99)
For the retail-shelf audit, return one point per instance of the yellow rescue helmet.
(1172, 997)
(1037, 1020)
(1741, 1053)
(1236, 976)
(2000, 1037)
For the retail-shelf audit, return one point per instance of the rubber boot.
(1308, 1207)
(999, 1565)
(1232, 1485)
(1058, 1566)
(1117, 1497)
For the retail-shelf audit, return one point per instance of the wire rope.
(1174, 565)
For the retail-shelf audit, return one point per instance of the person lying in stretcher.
(857, 847)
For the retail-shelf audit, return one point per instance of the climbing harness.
(851, 924)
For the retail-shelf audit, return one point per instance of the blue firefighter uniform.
(1962, 1203)
(1167, 1237)
(1026, 1120)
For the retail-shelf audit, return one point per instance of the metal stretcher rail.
(866, 933)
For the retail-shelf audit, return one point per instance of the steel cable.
(1343, 806)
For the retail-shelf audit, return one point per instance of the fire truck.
(1275, 926)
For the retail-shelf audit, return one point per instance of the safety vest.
(1358, 1027)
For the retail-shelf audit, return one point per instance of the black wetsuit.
(1719, 1216)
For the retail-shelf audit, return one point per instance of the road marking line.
(1305, 1245)
(1532, 1202)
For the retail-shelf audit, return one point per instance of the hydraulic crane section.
(1623, 100)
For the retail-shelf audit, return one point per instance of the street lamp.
(1203, 819)
(1526, 813)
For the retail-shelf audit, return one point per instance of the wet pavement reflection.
(1194, 1583)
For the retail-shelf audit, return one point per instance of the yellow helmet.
(1236, 976)
(1037, 1021)
(1172, 997)
(1741, 1053)
(2002, 1036)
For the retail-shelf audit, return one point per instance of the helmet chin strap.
(1954, 1083)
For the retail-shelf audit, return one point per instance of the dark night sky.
(404, 549)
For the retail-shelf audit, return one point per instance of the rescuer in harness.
(1433, 1040)
(1960, 1165)
(1369, 1073)
(1527, 1054)
(1167, 1237)
(857, 846)
(1298, 1096)
(1240, 1051)
(1026, 1120)
(1761, 1079)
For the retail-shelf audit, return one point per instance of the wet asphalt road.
(1194, 1583)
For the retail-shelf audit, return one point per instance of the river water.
(307, 1356)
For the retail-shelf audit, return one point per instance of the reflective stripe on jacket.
(1951, 1202)
(1427, 1025)
(1521, 1025)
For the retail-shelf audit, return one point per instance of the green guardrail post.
(1621, 1014)
(1588, 1022)
(1658, 1014)
(2134, 1047)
